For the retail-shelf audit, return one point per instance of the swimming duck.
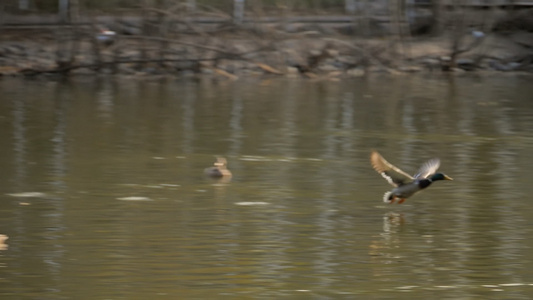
(408, 185)
(219, 169)
(3, 238)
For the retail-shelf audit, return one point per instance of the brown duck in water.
(219, 169)
(3, 245)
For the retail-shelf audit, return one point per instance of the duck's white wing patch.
(428, 168)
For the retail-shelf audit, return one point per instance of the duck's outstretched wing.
(392, 174)
(428, 168)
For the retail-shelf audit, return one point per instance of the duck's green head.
(440, 176)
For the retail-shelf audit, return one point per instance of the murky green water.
(102, 192)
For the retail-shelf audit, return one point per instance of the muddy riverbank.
(307, 51)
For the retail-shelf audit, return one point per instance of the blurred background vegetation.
(224, 5)
(157, 29)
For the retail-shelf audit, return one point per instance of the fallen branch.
(225, 74)
(268, 69)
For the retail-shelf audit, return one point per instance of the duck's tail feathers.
(387, 197)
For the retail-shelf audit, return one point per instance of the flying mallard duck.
(408, 185)
(219, 169)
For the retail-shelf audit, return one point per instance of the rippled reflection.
(103, 194)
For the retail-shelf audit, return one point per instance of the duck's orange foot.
(397, 200)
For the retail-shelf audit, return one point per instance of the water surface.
(102, 192)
